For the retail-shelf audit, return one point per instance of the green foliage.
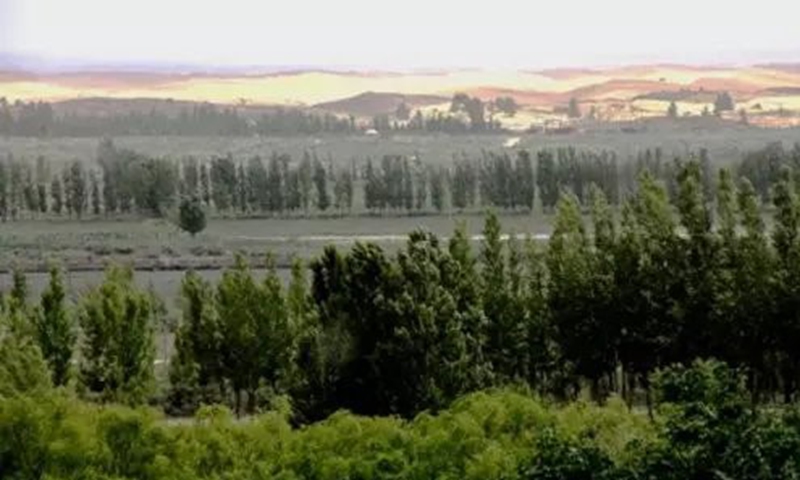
(191, 216)
(18, 296)
(23, 369)
(55, 329)
(506, 329)
(710, 432)
(117, 348)
(256, 339)
(321, 185)
(78, 192)
(703, 429)
(195, 368)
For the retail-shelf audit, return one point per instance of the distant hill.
(606, 94)
(369, 104)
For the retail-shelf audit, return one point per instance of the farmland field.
(725, 142)
(161, 253)
(159, 247)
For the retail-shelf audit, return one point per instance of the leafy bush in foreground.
(703, 429)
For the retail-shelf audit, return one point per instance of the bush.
(487, 435)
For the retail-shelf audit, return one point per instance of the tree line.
(40, 119)
(122, 181)
(125, 182)
(601, 305)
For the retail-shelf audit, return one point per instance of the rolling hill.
(369, 104)
(620, 93)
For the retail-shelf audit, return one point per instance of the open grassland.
(160, 251)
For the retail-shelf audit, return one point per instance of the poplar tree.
(117, 349)
(55, 329)
(321, 186)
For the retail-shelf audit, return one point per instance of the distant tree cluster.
(506, 105)
(38, 119)
(723, 103)
(763, 167)
(466, 115)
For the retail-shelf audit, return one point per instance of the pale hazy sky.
(402, 34)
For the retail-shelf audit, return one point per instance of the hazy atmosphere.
(411, 34)
(416, 240)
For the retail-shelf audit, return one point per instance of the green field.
(160, 250)
(726, 143)
(158, 245)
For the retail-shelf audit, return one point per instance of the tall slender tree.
(55, 329)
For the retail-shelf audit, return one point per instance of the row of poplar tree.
(603, 303)
(125, 182)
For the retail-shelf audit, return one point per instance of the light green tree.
(117, 349)
(55, 329)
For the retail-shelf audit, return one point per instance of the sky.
(400, 34)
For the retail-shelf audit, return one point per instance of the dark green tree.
(786, 241)
(305, 172)
(321, 185)
(77, 189)
(437, 189)
(94, 192)
(258, 182)
(275, 182)
(546, 179)
(506, 329)
(56, 195)
(191, 216)
(196, 374)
